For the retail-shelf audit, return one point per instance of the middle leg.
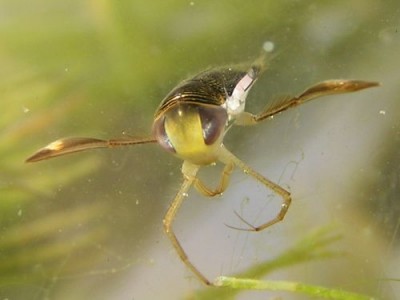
(226, 156)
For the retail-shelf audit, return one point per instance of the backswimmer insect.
(191, 123)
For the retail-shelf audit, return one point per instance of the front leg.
(222, 185)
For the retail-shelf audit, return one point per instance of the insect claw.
(251, 227)
(239, 228)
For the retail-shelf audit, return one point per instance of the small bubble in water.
(268, 46)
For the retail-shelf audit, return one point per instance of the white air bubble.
(268, 46)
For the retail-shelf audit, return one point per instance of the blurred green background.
(89, 226)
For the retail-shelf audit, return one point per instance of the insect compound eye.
(161, 135)
(213, 120)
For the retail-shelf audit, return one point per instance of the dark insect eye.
(161, 135)
(213, 121)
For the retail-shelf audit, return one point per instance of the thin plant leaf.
(296, 287)
(313, 246)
